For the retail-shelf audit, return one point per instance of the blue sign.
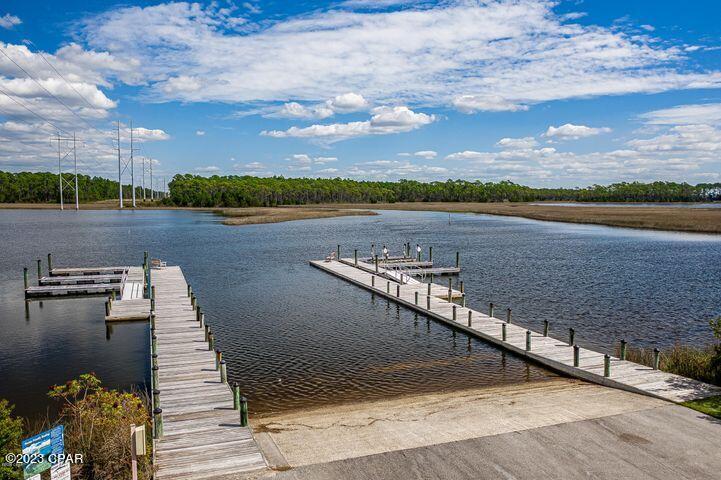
(38, 449)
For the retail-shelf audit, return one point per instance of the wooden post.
(338, 253)
(463, 300)
(155, 376)
(458, 259)
(154, 344)
(152, 305)
(656, 358)
(376, 260)
(430, 254)
(545, 328)
(223, 372)
(25, 277)
(398, 290)
(388, 287)
(218, 358)
(508, 315)
(145, 259)
(197, 314)
(40, 271)
(606, 365)
(503, 332)
(454, 313)
(190, 290)
(450, 295)
(571, 336)
(211, 342)
(470, 316)
(133, 454)
(576, 355)
(429, 288)
(528, 340)
(202, 320)
(416, 298)
(623, 349)
(428, 302)
(207, 331)
(156, 397)
(158, 422)
(243, 412)
(431, 277)
(490, 309)
(355, 257)
(154, 359)
(192, 301)
(236, 396)
(107, 309)
(373, 280)
(113, 295)
(50, 263)
(463, 289)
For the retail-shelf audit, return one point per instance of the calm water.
(296, 337)
(632, 204)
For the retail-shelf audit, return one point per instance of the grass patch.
(709, 406)
(689, 362)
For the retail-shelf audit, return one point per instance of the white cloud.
(385, 120)
(648, 28)
(517, 143)
(345, 103)
(708, 113)
(427, 154)
(348, 102)
(141, 134)
(570, 131)
(208, 169)
(501, 55)
(328, 170)
(9, 21)
(200, 133)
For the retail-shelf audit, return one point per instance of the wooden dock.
(131, 305)
(202, 433)
(553, 353)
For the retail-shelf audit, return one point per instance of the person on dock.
(385, 252)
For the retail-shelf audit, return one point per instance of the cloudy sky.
(565, 93)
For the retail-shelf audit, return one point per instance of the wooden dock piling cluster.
(566, 357)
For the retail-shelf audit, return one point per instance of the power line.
(66, 82)
(33, 112)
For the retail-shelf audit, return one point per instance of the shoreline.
(663, 218)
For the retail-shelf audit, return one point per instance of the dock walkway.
(202, 433)
(548, 351)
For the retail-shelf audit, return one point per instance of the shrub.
(97, 424)
(11, 432)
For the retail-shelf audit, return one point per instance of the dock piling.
(243, 412)
(338, 253)
(576, 355)
(490, 309)
(503, 332)
(376, 260)
(218, 359)
(623, 349)
(416, 298)
(428, 302)
(154, 360)
(50, 263)
(355, 257)
(398, 290)
(388, 287)
(207, 331)
(545, 328)
(156, 398)
(470, 317)
(429, 288)
(528, 340)
(211, 342)
(107, 309)
(454, 312)
(462, 287)
(656, 358)
(40, 271)
(25, 277)
(571, 336)
(236, 396)
(458, 259)
(373, 280)
(158, 423)
(190, 290)
(508, 315)
(606, 365)
(202, 320)
(223, 372)
(154, 344)
(430, 254)
(155, 376)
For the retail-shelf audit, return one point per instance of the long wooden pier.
(202, 437)
(553, 353)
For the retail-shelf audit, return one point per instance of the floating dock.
(553, 353)
(202, 436)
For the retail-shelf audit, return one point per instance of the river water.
(296, 337)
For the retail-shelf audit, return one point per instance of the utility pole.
(152, 194)
(132, 163)
(143, 179)
(60, 175)
(120, 171)
(75, 158)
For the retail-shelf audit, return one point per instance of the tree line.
(44, 187)
(247, 191)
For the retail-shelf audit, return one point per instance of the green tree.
(11, 432)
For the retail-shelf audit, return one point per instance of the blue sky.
(566, 93)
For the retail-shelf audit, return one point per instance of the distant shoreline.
(667, 218)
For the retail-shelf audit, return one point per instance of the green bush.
(11, 431)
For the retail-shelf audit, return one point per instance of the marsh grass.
(690, 362)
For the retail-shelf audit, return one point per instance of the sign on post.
(139, 440)
(60, 471)
(37, 449)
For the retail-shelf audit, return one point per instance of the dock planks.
(551, 352)
(202, 433)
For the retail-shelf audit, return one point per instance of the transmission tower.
(64, 151)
